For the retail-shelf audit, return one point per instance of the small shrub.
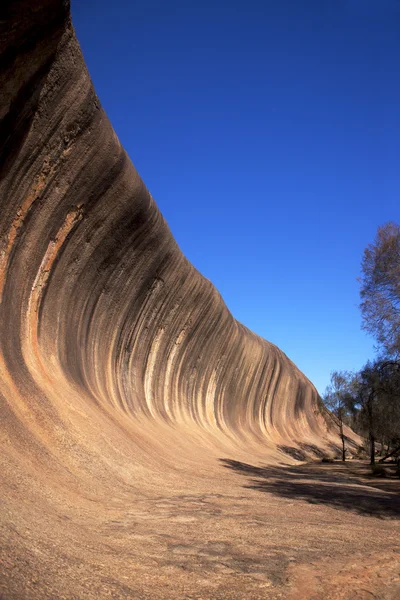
(327, 459)
(378, 470)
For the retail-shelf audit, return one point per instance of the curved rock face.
(120, 364)
(96, 295)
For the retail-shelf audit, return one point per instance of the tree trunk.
(342, 438)
(371, 430)
(389, 454)
(372, 448)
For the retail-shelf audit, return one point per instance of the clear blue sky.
(268, 133)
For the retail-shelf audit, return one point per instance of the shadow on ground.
(336, 485)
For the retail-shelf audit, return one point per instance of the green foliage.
(380, 289)
(338, 398)
(369, 401)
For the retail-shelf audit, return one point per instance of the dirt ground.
(309, 532)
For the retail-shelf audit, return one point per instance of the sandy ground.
(309, 532)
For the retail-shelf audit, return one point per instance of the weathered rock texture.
(122, 371)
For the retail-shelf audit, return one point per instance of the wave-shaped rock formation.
(123, 374)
